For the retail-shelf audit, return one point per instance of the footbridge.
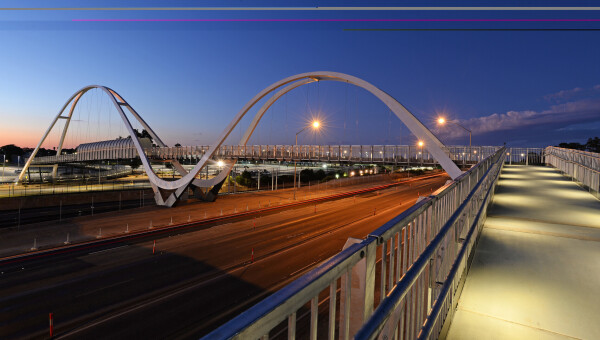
(169, 192)
(405, 155)
(503, 251)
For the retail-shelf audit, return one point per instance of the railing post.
(371, 254)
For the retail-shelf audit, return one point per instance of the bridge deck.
(536, 270)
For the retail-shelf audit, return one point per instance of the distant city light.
(337, 176)
(325, 166)
(352, 173)
(220, 163)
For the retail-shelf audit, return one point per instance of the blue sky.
(188, 79)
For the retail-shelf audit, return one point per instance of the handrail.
(439, 302)
(376, 153)
(405, 236)
(376, 323)
(583, 166)
(247, 325)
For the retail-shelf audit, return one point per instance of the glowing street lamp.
(442, 121)
(420, 144)
(315, 125)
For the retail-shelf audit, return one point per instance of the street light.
(420, 144)
(442, 121)
(315, 125)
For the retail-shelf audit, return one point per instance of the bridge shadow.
(127, 292)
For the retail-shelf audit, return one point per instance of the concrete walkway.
(536, 270)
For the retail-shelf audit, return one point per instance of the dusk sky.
(188, 79)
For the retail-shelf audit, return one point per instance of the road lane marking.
(106, 250)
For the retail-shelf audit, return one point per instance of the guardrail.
(388, 154)
(582, 166)
(420, 250)
(525, 156)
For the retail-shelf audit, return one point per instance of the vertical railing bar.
(332, 305)
(292, 326)
(404, 248)
(391, 263)
(314, 313)
(398, 255)
(402, 319)
(383, 270)
(346, 321)
(409, 304)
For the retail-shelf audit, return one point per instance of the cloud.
(597, 87)
(587, 110)
(564, 94)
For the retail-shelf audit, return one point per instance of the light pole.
(3, 165)
(442, 121)
(315, 125)
(420, 143)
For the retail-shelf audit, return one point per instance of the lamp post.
(442, 121)
(420, 143)
(315, 125)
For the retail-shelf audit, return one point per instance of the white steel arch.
(118, 101)
(178, 187)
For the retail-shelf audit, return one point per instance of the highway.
(195, 280)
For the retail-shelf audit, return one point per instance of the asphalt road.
(194, 281)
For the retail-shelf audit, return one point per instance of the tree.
(307, 175)
(143, 134)
(593, 145)
(177, 145)
(135, 163)
(574, 146)
(11, 150)
(245, 179)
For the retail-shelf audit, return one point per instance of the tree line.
(592, 145)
